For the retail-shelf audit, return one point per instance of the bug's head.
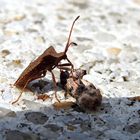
(68, 42)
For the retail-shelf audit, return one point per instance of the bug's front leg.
(72, 67)
(64, 66)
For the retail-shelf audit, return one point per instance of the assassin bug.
(45, 62)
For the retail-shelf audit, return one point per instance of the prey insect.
(88, 97)
(47, 61)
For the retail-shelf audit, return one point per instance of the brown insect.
(45, 62)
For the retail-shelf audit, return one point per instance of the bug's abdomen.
(22, 81)
(25, 79)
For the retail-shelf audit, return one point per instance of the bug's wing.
(26, 74)
(50, 51)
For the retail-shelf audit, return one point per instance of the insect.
(87, 96)
(70, 82)
(47, 61)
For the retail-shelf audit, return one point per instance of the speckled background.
(108, 38)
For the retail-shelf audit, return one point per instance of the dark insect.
(45, 62)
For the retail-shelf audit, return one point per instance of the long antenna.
(68, 42)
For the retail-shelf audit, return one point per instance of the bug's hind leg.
(18, 98)
(21, 92)
(55, 86)
(42, 74)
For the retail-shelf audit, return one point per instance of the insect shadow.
(42, 86)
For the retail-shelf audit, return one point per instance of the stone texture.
(36, 117)
(17, 135)
(108, 39)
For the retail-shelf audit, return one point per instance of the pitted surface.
(108, 38)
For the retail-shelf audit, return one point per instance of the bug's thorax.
(62, 55)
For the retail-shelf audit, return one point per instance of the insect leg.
(72, 67)
(64, 66)
(72, 70)
(55, 86)
(42, 74)
(21, 92)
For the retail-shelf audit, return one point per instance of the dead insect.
(71, 82)
(87, 96)
(90, 99)
(45, 62)
(76, 75)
